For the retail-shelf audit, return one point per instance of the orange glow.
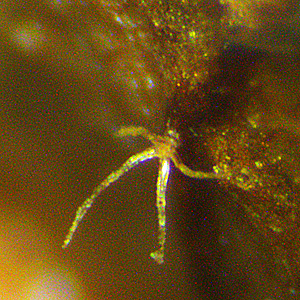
(28, 269)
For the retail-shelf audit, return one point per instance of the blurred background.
(72, 73)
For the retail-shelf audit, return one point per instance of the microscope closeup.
(149, 149)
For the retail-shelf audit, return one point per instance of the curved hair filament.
(164, 148)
